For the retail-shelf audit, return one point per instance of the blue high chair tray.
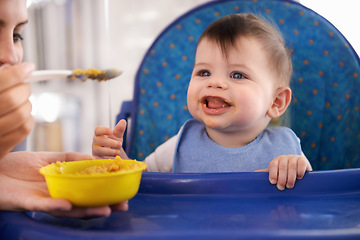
(323, 205)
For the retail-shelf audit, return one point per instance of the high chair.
(324, 112)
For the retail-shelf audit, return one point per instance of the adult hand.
(23, 188)
(16, 121)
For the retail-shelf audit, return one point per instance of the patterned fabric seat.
(325, 108)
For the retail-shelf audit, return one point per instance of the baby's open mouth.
(215, 102)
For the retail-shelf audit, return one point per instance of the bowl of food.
(91, 183)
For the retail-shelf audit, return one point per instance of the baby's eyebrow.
(201, 64)
(244, 66)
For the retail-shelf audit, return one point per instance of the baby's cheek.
(249, 110)
(192, 102)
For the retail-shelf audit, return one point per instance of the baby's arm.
(285, 169)
(108, 142)
(162, 159)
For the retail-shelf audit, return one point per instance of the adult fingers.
(123, 206)
(15, 119)
(48, 204)
(11, 139)
(63, 208)
(15, 74)
(73, 156)
(14, 97)
(52, 157)
(84, 213)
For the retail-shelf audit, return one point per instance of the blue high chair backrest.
(325, 107)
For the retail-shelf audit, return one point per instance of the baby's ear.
(281, 102)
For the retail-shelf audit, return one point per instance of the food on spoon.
(93, 73)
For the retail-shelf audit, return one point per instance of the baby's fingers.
(303, 166)
(282, 174)
(120, 129)
(292, 171)
(104, 141)
(101, 131)
(273, 171)
(104, 146)
(101, 152)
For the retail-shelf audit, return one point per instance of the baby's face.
(231, 93)
(13, 17)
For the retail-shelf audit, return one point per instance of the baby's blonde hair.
(226, 30)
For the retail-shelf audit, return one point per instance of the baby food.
(114, 166)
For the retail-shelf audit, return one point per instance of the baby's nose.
(217, 82)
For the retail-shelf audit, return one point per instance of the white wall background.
(343, 14)
(67, 34)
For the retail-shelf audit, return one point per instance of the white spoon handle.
(42, 75)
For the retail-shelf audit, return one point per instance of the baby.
(240, 82)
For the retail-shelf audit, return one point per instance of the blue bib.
(196, 152)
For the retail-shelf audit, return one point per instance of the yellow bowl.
(68, 180)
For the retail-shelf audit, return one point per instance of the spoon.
(92, 73)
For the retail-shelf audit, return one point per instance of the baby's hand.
(285, 169)
(108, 142)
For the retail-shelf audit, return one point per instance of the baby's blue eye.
(237, 75)
(204, 73)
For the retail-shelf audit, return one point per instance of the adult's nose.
(8, 54)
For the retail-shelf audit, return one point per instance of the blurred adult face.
(13, 18)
